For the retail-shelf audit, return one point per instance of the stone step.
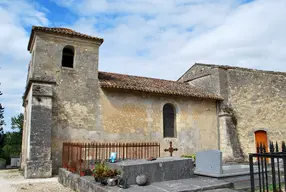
(243, 182)
(221, 190)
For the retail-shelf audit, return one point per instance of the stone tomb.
(161, 169)
(209, 163)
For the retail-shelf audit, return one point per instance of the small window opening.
(169, 118)
(68, 56)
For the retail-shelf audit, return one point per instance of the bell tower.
(62, 89)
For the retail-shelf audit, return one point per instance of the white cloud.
(15, 16)
(155, 38)
(172, 35)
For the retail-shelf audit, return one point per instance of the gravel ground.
(12, 181)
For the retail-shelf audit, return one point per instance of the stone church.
(209, 107)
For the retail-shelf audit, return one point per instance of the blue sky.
(155, 38)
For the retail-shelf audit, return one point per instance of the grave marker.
(171, 149)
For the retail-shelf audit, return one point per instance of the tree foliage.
(13, 140)
(1, 123)
(17, 122)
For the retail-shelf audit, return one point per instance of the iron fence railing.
(82, 156)
(271, 168)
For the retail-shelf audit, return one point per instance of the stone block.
(209, 161)
(38, 169)
(162, 169)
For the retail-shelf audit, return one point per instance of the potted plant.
(98, 171)
(112, 177)
(82, 173)
(193, 156)
(105, 175)
(87, 172)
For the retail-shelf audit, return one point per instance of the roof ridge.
(240, 68)
(61, 31)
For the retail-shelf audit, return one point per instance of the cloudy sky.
(155, 38)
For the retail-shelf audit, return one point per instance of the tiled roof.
(61, 31)
(151, 85)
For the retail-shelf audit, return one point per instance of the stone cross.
(171, 149)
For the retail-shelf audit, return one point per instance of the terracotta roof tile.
(151, 85)
(62, 31)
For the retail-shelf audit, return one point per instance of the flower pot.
(81, 173)
(112, 181)
(103, 181)
(88, 172)
(96, 178)
(71, 169)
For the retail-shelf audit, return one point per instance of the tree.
(17, 122)
(1, 123)
(13, 140)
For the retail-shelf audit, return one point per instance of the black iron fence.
(270, 168)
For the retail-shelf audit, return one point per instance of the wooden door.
(261, 137)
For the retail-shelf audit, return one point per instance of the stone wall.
(137, 117)
(204, 77)
(259, 101)
(82, 112)
(130, 116)
(253, 100)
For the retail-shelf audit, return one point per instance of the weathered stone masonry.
(68, 104)
(216, 107)
(253, 100)
(38, 144)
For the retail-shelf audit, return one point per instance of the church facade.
(68, 99)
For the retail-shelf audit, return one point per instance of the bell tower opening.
(68, 56)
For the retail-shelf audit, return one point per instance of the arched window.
(169, 117)
(68, 56)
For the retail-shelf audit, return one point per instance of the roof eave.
(161, 92)
(35, 29)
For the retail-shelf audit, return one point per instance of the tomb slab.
(161, 169)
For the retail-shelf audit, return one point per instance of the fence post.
(265, 164)
(284, 161)
(273, 167)
(251, 173)
(63, 163)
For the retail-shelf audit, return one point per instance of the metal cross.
(171, 149)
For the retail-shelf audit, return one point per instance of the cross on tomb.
(171, 149)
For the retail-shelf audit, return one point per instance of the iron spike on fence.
(277, 148)
(260, 148)
(283, 147)
(271, 146)
(257, 147)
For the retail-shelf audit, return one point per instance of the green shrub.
(2, 160)
(193, 156)
(102, 171)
